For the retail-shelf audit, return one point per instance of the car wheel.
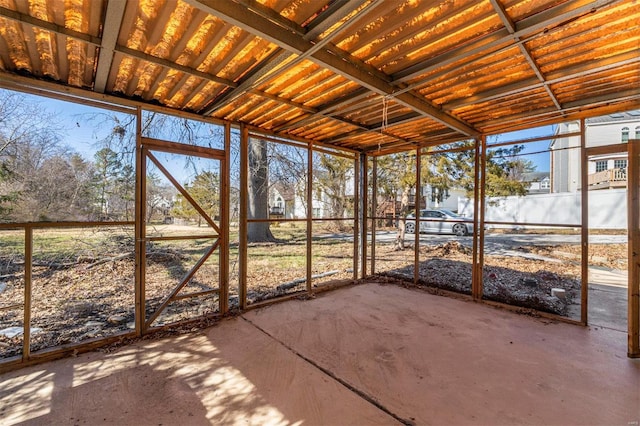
(410, 227)
(459, 229)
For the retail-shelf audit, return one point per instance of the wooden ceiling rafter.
(570, 73)
(511, 27)
(110, 30)
(331, 58)
(262, 71)
(368, 75)
(493, 43)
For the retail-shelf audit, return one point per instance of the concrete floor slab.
(368, 354)
(229, 374)
(436, 360)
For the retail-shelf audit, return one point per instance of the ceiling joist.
(371, 76)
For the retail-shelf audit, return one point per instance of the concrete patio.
(367, 354)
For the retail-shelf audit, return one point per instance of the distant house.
(287, 200)
(282, 201)
(604, 171)
(390, 207)
(537, 182)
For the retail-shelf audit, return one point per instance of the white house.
(605, 171)
(288, 200)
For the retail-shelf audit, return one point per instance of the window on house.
(638, 132)
(625, 134)
(620, 164)
(601, 166)
(316, 212)
(545, 184)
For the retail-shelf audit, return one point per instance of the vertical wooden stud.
(476, 221)
(224, 222)
(361, 217)
(478, 218)
(360, 164)
(28, 264)
(584, 227)
(309, 216)
(416, 234)
(139, 228)
(242, 243)
(482, 167)
(374, 212)
(633, 220)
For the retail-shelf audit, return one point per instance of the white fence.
(607, 209)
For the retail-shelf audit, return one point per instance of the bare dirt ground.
(524, 278)
(86, 298)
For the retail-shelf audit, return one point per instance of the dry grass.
(83, 279)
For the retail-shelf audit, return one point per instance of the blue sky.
(83, 135)
(539, 159)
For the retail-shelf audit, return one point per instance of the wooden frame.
(416, 234)
(584, 228)
(361, 217)
(309, 217)
(633, 219)
(145, 148)
(632, 147)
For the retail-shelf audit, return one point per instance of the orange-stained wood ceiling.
(363, 75)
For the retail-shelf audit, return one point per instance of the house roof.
(372, 76)
(535, 176)
(615, 117)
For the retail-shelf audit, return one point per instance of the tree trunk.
(404, 204)
(258, 192)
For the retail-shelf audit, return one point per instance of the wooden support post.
(139, 227)
(476, 221)
(478, 218)
(584, 227)
(633, 220)
(309, 217)
(28, 264)
(361, 177)
(416, 234)
(374, 212)
(242, 243)
(360, 212)
(482, 205)
(224, 222)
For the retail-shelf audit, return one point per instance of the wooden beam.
(242, 232)
(182, 191)
(584, 228)
(362, 167)
(633, 218)
(166, 63)
(331, 58)
(481, 176)
(140, 231)
(225, 218)
(511, 27)
(186, 278)
(565, 74)
(48, 26)
(278, 57)
(309, 195)
(493, 42)
(418, 205)
(110, 32)
(28, 274)
(374, 210)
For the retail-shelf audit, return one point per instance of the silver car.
(440, 221)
